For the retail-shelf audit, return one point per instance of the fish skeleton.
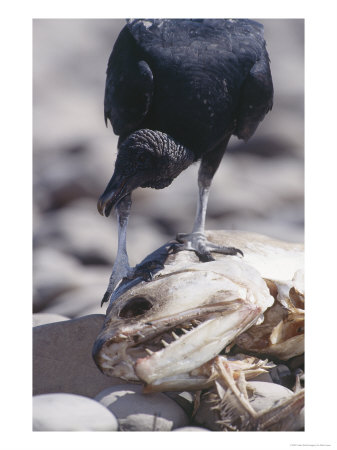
(168, 333)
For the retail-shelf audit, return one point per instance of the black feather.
(196, 80)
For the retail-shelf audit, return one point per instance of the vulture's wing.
(129, 86)
(256, 95)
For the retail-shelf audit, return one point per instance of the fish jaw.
(116, 352)
(171, 367)
(194, 349)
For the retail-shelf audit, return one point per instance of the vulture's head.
(145, 159)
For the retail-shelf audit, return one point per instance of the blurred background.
(259, 186)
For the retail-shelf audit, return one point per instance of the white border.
(321, 226)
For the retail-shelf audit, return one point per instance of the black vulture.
(176, 90)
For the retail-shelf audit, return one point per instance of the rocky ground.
(259, 187)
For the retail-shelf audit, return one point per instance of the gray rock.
(56, 273)
(80, 231)
(79, 302)
(296, 362)
(62, 359)
(191, 429)
(263, 377)
(94, 308)
(301, 376)
(142, 412)
(282, 375)
(266, 395)
(205, 416)
(82, 90)
(44, 318)
(69, 172)
(184, 399)
(68, 412)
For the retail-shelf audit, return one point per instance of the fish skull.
(160, 332)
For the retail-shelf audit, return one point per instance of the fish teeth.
(165, 344)
(150, 352)
(176, 337)
(184, 331)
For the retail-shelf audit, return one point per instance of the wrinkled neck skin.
(171, 157)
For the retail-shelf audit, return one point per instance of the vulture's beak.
(117, 188)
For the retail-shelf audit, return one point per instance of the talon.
(197, 242)
(149, 276)
(106, 298)
(180, 237)
(205, 256)
(236, 250)
(177, 248)
(227, 250)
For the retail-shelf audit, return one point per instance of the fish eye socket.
(136, 306)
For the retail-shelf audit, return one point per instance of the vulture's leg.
(121, 268)
(196, 240)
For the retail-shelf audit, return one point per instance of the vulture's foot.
(198, 243)
(122, 274)
(119, 272)
(147, 270)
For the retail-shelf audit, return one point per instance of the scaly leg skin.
(196, 241)
(233, 396)
(121, 268)
(122, 273)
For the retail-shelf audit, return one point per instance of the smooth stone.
(136, 411)
(296, 363)
(79, 302)
(205, 416)
(44, 318)
(266, 395)
(56, 273)
(95, 308)
(62, 360)
(80, 231)
(184, 399)
(266, 377)
(301, 376)
(68, 174)
(282, 375)
(68, 412)
(191, 429)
